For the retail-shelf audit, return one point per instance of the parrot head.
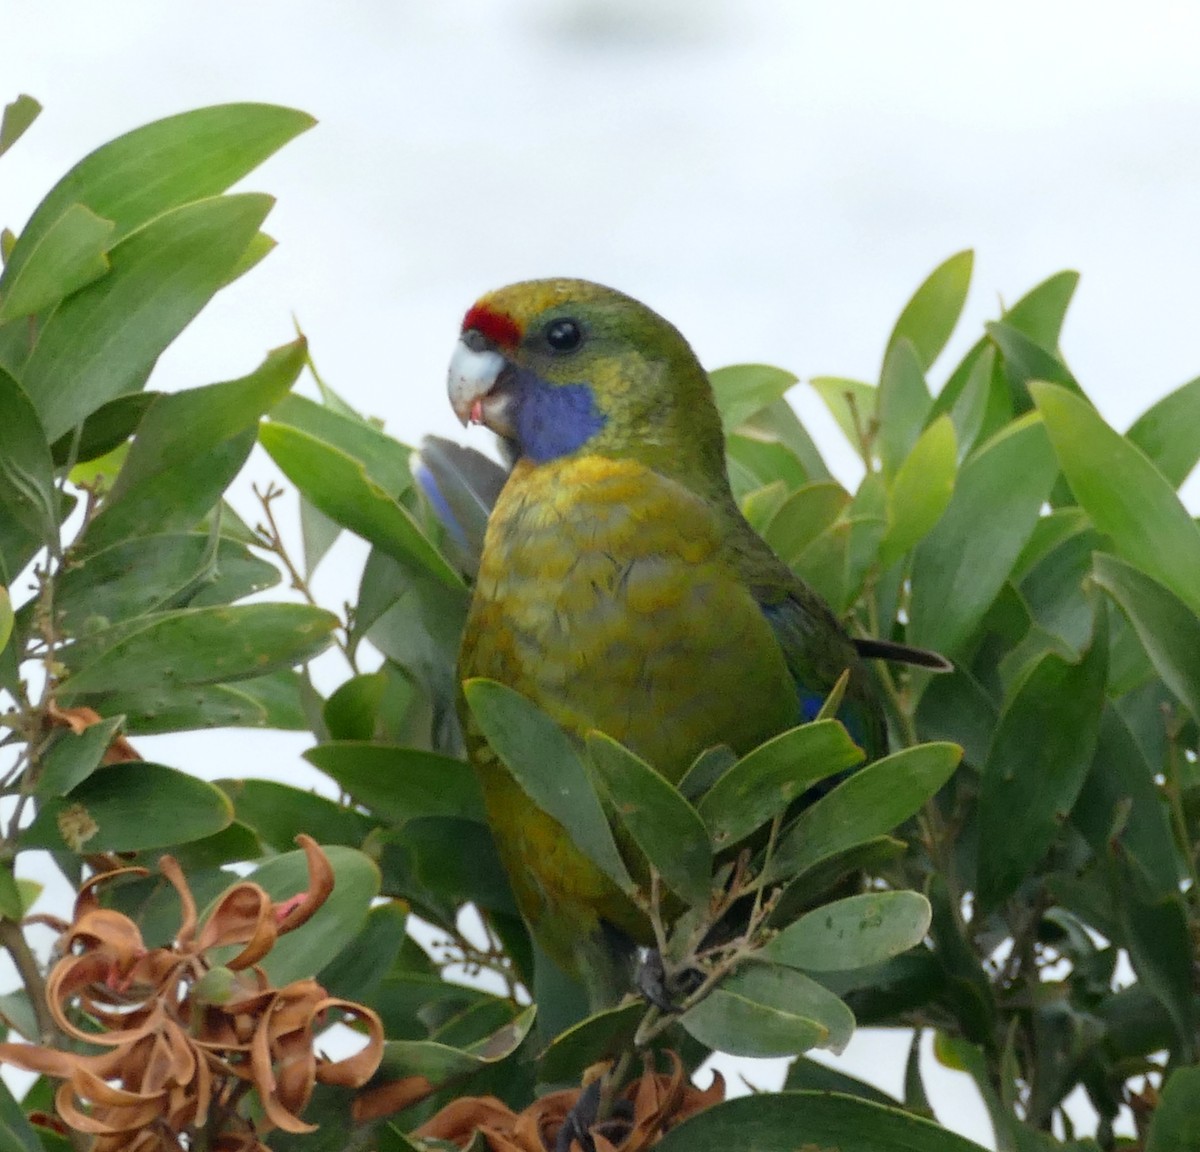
(558, 367)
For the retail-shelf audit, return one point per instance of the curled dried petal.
(394, 1096)
(169, 867)
(242, 917)
(291, 913)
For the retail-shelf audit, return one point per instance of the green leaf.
(102, 341)
(358, 970)
(440, 1062)
(27, 492)
(769, 1010)
(144, 174)
(969, 409)
(1167, 433)
(1124, 494)
(18, 115)
(1024, 360)
(903, 402)
(279, 812)
(400, 784)
(544, 762)
(351, 711)
(960, 567)
(1040, 755)
(777, 425)
(154, 573)
(741, 390)
(928, 319)
(800, 1121)
(1120, 793)
(921, 491)
(1175, 1124)
(850, 402)
(1168, 629)
(440, 863)
(16, 1133)
(6, 617)
(169, 480)
(72, 758)
(70, 255)
(130, 807)
(808, 1075)
(385, 461)
(339, 486)
(661, 822)
(304, 952)
(602, 1036)
(1039, 314)
(105, 430)
(766, 780)
(803, 516)
(196, 646)
(868, 804)
(852, 933)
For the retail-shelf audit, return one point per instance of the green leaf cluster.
(1035, 824)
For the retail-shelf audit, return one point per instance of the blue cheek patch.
(554, 420)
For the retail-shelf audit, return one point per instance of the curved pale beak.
(474, 371)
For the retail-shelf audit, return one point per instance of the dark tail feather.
(902, 654)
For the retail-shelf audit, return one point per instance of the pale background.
(774, 176)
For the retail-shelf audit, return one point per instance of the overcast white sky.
(774, 176)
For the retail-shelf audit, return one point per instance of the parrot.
(620, 588)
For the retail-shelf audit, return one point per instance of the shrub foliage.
(1018, 877)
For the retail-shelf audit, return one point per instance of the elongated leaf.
(808, 1075)
(101, 341)
(104, 430)
(147, 172)
(904, 403)
(869, 803)
(1026, 360)
(70, 255)
(741, 390)
(768, 1010)
(1175, 1125)
(16, 1133)
(384, 460)
(778, 424)
(279, 812)
(1039, 314)
(6, 617)
(921, 490)
(73, 758)
(17, 117)
(27, 494)
(170, 478)
(969, 409)
(789, 1121)
(661, 822)
(150, 573)
(1039, 757)
(401, 783)
(197, 646)
(959, 568)
(1167, 434)
(801, 517)
(928, 319)
(852, 933)
(850, 402)
(130, 807)
(339, 486)
(441, 1062)
(543, 760)
(1168, 629)
(1124, 494)
(602, 1036)
(765, 781)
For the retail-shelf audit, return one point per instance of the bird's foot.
(666, 991)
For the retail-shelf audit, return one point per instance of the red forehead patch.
(498, 327)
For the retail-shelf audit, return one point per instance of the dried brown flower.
(652, 1105)
(183, 1037)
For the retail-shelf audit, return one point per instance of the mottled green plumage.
(620, 588)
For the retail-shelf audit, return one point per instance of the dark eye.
(563, 335)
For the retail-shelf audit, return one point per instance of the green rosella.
(620, 587)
